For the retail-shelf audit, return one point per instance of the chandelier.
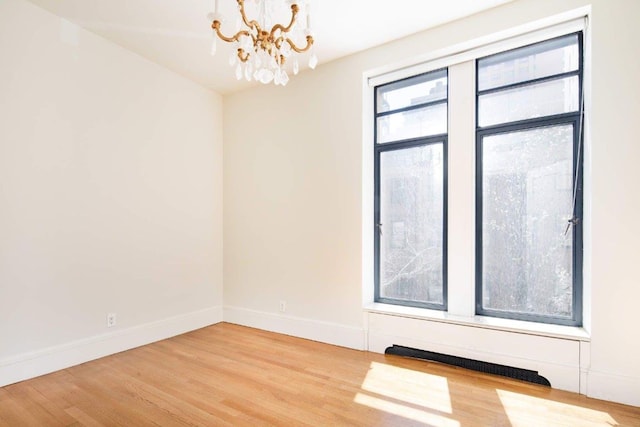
(262, 46)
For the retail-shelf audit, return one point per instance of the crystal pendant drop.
(296, 67)
(313, 61)
(284, 78)
(266, 76)
(214, 45)
(239, 71)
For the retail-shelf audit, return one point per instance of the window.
(529, 183)
(410, 191)
(474, 173)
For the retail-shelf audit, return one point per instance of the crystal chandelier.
(262, 46)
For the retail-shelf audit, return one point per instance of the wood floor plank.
(232, 375)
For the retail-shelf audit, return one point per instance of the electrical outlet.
(111, 320)
(283, 306)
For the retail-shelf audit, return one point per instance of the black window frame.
(380, 148)
(574, 119)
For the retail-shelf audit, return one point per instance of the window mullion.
(461, 181)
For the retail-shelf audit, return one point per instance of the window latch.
(572, 221)
(379, 225)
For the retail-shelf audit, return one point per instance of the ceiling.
(177, 35)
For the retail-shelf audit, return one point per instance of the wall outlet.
(283, 306)
(111, 320)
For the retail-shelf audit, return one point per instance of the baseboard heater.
(475, 365)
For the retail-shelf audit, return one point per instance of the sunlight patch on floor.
(401, 384)
(409, 412)
(518, 408)
(410, 394)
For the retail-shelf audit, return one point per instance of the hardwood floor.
(231, 375)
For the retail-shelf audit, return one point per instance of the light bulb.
(245, 43)
(285, 49)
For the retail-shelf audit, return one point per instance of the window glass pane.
(414, 91)
(411, 213)
(425, 121)
(520, 65)
(536, 100)
(526, 202)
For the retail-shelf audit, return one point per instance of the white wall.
(293, 190)
(110, 196)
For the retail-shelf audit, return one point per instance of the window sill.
(508, 325)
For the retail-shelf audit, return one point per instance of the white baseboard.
(330, 333)
(33, 364)
(613, 387)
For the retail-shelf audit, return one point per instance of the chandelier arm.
(278, 42)
(294, 13)
(242, 58)
(298, 49)
(235, 37)
(253, 24)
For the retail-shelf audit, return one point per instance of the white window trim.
(460, 59)
(534, 32)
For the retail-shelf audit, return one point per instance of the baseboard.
(330, 333)
(613, 387)
(40, 362)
